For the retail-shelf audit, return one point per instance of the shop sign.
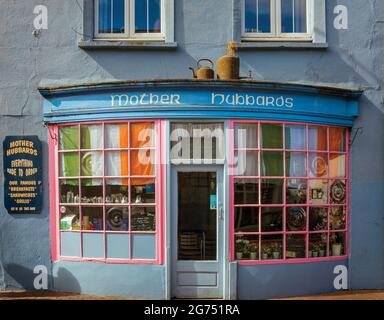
(22, 161)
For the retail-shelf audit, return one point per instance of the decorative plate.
(338, 192)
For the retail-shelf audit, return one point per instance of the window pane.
(272, 164)
(92, 191)
(318, 165)
(246, 191)
(111, 16)
(296, 219)
(116, 136)
(317, 138)
(296, 191)
(258, 16)
(296, 164)
(338, 192)
(69, 191)
(271, 136)
(295, 137)
(147, 16)
(69, 138)
(318, 245)
(272, 191)
(271, 219)
(197, 141)
(142, 162)
(337, 164)
(91, 137)
(142, 135)
(69, 218)
(294, 16)
(247, 247)
(318, 218)
(143, 218)
(246, 163)
(296, 247)
(92, 218)
(338, 218)
(337, 244)
(116, 191)
(318, 191)
(116, 218)
(143, 191)
(246, 135)
(271, 247)
(337, 139)
(247, 219)
(69, 164)
(116, 163)
(91, 164)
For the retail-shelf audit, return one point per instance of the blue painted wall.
(354, 58)
(285, 280)
(132, 281)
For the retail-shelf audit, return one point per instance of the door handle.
(221, 213)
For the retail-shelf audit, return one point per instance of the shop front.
(198, 189)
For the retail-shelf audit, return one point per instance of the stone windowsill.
(249, 45)
(126, 45)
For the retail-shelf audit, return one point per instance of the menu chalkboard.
(22, 163)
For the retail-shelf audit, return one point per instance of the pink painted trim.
(291, 261)
(307, 205)
(55, 231)
(52, 146)
(109, 261)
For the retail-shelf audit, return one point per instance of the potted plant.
(252, 248)
(241, 248)
(337, 246)
(276, 250)
(266, 252)
(315, 252)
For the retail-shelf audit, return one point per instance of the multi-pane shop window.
(289, 191)
(277, 18)
(129, 18)
(107, 183)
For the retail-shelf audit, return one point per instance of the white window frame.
(129, 25)
(276, 34)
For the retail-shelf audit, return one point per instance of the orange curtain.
(141, 160)
(322, 139)
(335, 136)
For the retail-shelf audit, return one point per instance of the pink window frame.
(284, 233)
(160, 183)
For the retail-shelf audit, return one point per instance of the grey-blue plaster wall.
(354, 58)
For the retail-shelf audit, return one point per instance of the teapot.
(203, 72)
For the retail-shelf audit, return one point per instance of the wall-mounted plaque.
(23, 185)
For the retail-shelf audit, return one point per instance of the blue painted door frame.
(197, 271)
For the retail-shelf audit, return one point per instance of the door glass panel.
(197, 212)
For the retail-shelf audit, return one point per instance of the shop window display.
(107, 186)
(294, 207)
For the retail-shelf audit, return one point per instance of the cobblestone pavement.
(39, 295)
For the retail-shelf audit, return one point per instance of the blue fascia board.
(202, 100)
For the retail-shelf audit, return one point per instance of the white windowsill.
(291, 44)
(126, 44)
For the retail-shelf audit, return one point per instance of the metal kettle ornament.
(203, 72)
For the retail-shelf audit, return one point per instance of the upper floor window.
(278, 19)
(132, 19)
